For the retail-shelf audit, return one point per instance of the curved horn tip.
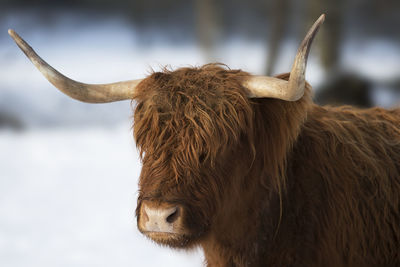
(322, 17)
(11, 32)
(14, 35)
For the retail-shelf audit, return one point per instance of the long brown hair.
(319, 185)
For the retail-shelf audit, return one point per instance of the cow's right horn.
(90, 93)
(292, 90)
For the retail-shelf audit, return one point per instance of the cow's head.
(194, 128)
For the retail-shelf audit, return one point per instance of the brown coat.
(266, 182)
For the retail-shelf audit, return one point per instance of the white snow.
(67, 198)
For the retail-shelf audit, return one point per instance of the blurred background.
(69, 170)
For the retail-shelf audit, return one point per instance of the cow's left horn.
(90, 93)
(292, 90)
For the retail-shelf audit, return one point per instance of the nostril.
(173, 216)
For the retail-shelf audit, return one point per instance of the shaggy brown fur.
(265, 182)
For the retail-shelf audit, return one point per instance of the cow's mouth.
(169, 239)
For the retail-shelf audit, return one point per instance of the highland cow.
(251, 170)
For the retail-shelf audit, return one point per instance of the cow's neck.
(245, 228)
(245, 216)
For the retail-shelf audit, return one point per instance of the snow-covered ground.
(67, 198)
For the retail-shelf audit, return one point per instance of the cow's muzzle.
(160, 220)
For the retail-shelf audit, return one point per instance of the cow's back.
(343, 196)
